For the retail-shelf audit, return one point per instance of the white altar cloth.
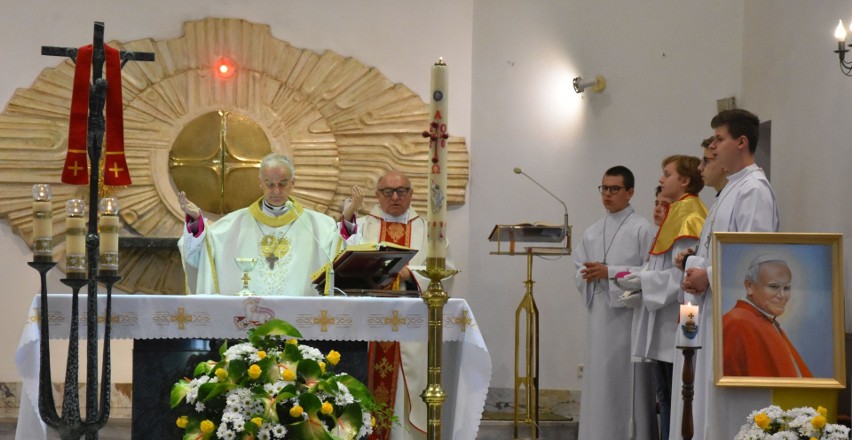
(466, 368)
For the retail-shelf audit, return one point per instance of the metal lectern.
(506, 236)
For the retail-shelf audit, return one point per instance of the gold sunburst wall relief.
(342, 122)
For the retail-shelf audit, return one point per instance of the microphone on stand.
(329, 278)
(566, 227)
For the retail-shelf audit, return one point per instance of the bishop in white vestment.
(289, 242)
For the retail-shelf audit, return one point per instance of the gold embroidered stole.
(384, 357)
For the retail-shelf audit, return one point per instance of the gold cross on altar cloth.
(324, 320)
(395, 321)
(181, 318)
(462, 320)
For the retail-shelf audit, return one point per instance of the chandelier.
(840, 34)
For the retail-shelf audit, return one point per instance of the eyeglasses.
(388, 192)
(611, 189)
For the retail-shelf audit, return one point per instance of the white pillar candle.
(436, 217)
(688, 317)
(108, 227)
(42, 223)
(75, 238)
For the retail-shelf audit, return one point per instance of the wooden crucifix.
(90, 127)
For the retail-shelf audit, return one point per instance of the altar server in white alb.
(289, 241)
(617, 403)
(393, 220)
(655, 321)
(746, 204)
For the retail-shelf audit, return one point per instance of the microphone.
(329, 278)
(566, 228)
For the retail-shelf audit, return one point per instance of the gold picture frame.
(808, 337)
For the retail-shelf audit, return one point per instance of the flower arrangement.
(803, 423)
(271, 387)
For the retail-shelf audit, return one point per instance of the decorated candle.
(108, 227)
(436, 217)
(688, 325)
(42, 223)
(75, 238)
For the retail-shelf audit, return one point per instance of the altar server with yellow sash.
(657, 305)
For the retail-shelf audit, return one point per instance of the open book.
(366, 266)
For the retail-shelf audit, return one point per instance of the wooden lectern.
(506, 236)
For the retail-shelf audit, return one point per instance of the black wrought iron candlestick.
(69, 423)
(690, 331)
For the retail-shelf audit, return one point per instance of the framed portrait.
(778, 312)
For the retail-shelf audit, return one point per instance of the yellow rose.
(261, 354)
(818, 422)
(762, 421)
(222, 374)
(288, 375)
(822, 411)
(296, 411)
(182, 421)
(322, 366)
(257, 421)
(333, 357)
(293, 341)
(327, 408)
(372, 421)
(207, 426)
(254, 371)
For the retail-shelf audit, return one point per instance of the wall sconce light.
(840, 34)
(596, 84)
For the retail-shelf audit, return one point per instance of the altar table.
(466, 369)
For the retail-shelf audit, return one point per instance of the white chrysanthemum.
(784, 435)
(195, 384)
(343, 396)
(366, 424)
(274, 388)
(240, 351)
(311, 353)
(278, 431)
(199, 407)
(225, 433)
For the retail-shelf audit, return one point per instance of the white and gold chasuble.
(288, 248)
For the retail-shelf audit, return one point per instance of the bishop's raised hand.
(189, 208)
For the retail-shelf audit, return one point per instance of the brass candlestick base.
(435, 298)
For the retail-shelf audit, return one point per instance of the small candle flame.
(840, 31)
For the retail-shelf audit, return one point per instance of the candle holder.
(688, 389)
(81, 262)
(42, 224)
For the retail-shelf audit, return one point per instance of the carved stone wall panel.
(342, 122)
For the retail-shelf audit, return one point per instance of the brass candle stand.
(435, 298)
(69, 424)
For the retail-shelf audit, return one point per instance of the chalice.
(246, 265)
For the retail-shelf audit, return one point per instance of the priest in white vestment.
(618, 399)
(746, 204)
(393, 220)
(289, 241)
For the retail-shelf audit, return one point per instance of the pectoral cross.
(271, 259)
